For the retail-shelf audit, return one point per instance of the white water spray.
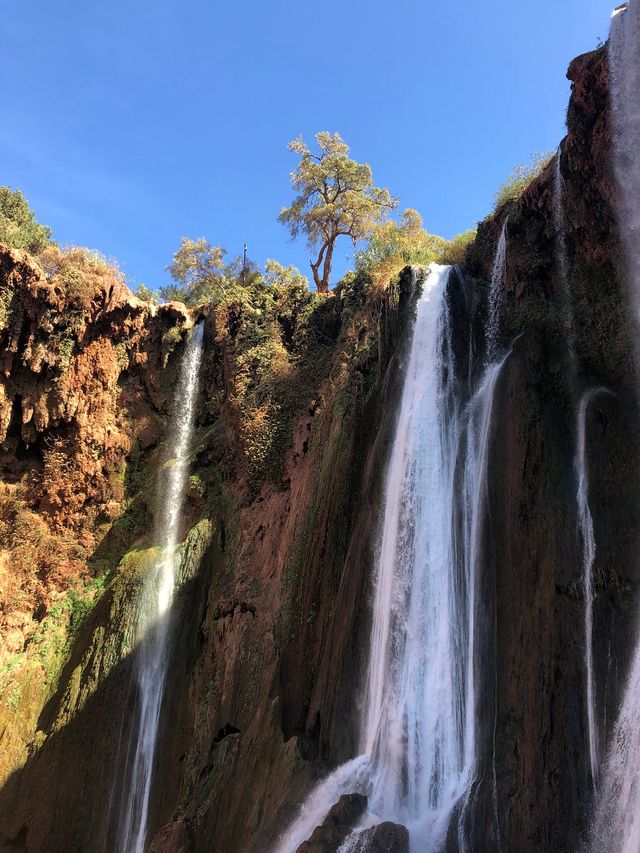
(153, 625)
(585, 523)
(617, 823)
(418, 728)
(496, 294)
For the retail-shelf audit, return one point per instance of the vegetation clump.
(80, 273)
(18, 224)
(522, 176)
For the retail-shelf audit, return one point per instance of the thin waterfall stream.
(154, 617)
(496, 293)
(418, 723)
(617, 819)
(585, 521)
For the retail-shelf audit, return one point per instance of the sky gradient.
(129, 125)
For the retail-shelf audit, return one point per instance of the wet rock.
(384, 838)
(337, 825)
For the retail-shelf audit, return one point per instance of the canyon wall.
(272, 614)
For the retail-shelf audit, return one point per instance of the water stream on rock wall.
(585, 521)
(419, 714)
(153, 618)
(496, 294)
(617, 820)
(585, 524)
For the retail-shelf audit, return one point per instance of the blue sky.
(130, 124)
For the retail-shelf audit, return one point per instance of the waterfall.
(418, 723)
(153, 619)
(585, 521)
(585, 524)
(496, 294)
(617, 820)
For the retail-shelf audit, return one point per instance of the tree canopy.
(335, 197)
(18, 225)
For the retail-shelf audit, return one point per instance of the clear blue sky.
(130, 124)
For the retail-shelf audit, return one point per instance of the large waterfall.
(418, 733)
(617, 821)
(153, 621)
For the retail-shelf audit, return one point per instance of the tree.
(277, 274)
(198, 272)
(336, 197)
(393, 245)
(18, 225)
(147, 294)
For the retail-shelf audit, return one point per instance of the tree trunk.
(319, 282)
(326, 272)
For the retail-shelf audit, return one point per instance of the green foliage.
(18, 225)
(198, 272)
(456, 248)
(54, 636)
(277, 275)
(393, 245)
(275, 339)
(335, 197)
(522, 176)
(146, 294)
(80, 273)
(169, 342)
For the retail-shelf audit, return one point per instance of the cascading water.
(153, 620)
(617, 821)
(585, 521)
(418, 727)
(496, 294)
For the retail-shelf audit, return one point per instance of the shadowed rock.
(384, 838)
(337, 825)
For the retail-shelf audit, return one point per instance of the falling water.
(418, 727)
(496, 294)
(617, 823)
(153, 626)
(585, 523)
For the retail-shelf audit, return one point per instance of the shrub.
(394, 245)
(146, 294)
(18, 225)
(522, 176)
(456, 248)
(80, 273)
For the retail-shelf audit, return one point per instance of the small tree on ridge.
(336, 197)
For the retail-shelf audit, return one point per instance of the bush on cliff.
(18, 225)
(522, 176)
(80, 273)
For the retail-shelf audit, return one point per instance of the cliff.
(273, 609)
(572, 336)
(291, 431)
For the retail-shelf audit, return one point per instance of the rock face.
(264, 644)
(337, 825)
(534, 746)
(272, 615)
(384, 838)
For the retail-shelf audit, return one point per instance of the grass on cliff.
(522, 176)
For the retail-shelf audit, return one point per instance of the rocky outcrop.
(337, 825)
(256, 700)
(570, 336)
